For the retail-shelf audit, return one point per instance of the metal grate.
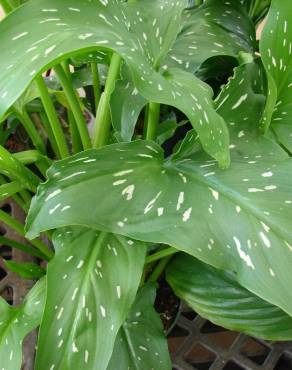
(197, 344)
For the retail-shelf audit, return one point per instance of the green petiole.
(75, 106)
(102, 123)
(53, 118)
(22, 247)
(152, 120)
(19, 228)
(158, 270)
(161, 254)
(95, 84)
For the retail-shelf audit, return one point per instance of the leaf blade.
(214, 29)
(48, 46)
(179, 202)
(140, 343)
(216, 296)
(276, 51)
(17, 322)
(96, 286)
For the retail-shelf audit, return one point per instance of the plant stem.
(25, 248)
(102, 123)
(159, 269)
(15, 170)
(161, 254)
(153, 115)
(6, 6)
(20, 201)
(53, 118)
(43, 119)
(34, 157)
(19, 228)
(31, 130)
(75, 137)
(31, 156)
(9, 189)
(95, 84)
(74, 105)
(254, 8)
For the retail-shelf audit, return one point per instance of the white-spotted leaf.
(276, 51)
(141, 343)
(59, 30)
(236, 219)
(91, 285)
(241, 103)
(17, 322)
(215, 295)
(214, 29)
(126, 104)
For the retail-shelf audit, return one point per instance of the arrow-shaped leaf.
(126, 104)
(216, 28)
(238, 219)
(241, 103)
(16, 323)
(216, 296)
(91, 284)
(26, 270)
(59, 29)
(140, 343)
(276, 51)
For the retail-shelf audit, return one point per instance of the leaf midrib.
(95, 248)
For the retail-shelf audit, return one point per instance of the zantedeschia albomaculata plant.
(121, 204)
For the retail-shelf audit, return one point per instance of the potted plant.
(159, 146)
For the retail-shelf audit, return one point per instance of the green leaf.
(214, 29)
(9, 5)
(257, 9)
(188, 146)
(237, 219)
(25, 270)
(17, 322)
(140, 343)
(209, 126)
(16, 3)
(97, 276)
(276, 51)
(158, 24)
(83, 77)
(22, 247)
(242, 109)
(167, 128)
(29, 95)
(115, 27)
(15, 170)
(215, 295)
(8, 129)
(126, 104)
(92, 57)
(9, 189)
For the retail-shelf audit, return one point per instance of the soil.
(167, 305)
